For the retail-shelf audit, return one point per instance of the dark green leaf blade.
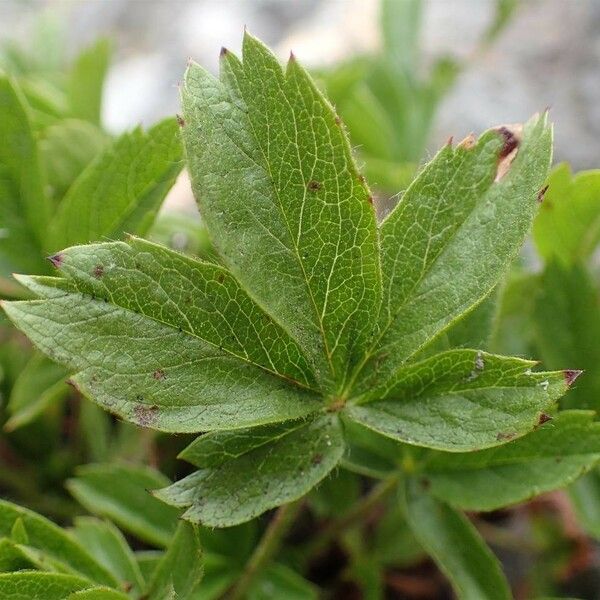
(456, 546)
(107, 544)
(119, 492)
(236, 490)
(566, 323)
(51, 539)
(285, 205)
(452, 236)
(549, 458)
(461, 400)
(136, 171)
(181, 567)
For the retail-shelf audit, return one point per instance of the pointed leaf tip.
(56, 259)
(223, 52)
(571, 375)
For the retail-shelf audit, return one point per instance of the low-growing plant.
(320, 344)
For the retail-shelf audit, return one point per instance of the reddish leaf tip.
(57, 259)
(571, 375)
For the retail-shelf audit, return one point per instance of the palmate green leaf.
(136, 171)
(40, 586)
(567, 228)
(277, 186)
(119, 492)
(202, 355)
(181, 567)
(47, 537)
(452, 236)
(456, 546)
(24, 207)
(243, 474)
(273, 351)
(551, 457)
(566, 324)
(108, 546)
(462, 400)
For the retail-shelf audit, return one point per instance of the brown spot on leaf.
(57, 259)
(159, 375)
(317, 459)
(144, 414)
(449, 141)
(370, 200)
(314, 186)
(544, 418)
(542, 193)
(425, 483)
(505, 437)
(98, 271)
(511, 136)
(221, 277)
(571, 375)
(180, 120)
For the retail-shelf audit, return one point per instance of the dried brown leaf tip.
(542, 193)
(571, 375)
(465, 144)
(57, 259)
(511, 136)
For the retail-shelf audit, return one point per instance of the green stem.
(267, 547)
(355, 515)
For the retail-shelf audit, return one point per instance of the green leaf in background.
(24, 207)
(67, 147)
(585, 496)
(475, 225)
(136, 171)
(98, 593)
(278, 188)
(279, 581)
(244, 464)
(40, 586)
(462, 400)
(456, 546)
(566, 323)
(86, 81)
(45, 536)
(39, 385)
(553, 456)
(567, 227)
(108, 546)
(181, 568)
(120, 492)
